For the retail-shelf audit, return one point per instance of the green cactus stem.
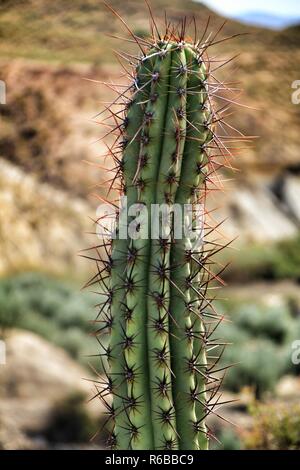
(160, 375)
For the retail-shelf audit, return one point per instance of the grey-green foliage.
(279, 260)
(51, 308)
(10, 308)
(228, 440)
(258, 364)
(273, 323)
(259, 338)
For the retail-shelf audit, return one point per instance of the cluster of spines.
(157, 309)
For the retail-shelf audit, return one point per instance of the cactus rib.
(162, 380)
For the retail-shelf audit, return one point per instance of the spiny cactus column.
(183, 333)
(121, 311)
(159, 371)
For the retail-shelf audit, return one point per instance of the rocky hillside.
(41, 227)
(32, 386)
(47, 51)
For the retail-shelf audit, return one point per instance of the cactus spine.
(157, 310)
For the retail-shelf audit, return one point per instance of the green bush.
(252, 262)
(280, 260)
(260, 339)
(228, 440)
(231, 333)
(10, 307)
(273, 323)
(52, 298)
(76, 312)
(35, 322)
(53, 309)
(257, 363)
(287, 259)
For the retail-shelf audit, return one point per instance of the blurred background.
(47, 51)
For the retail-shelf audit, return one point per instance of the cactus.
(157, 310)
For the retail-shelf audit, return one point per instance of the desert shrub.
(228, 440)
(287, 259)
(252, 319)
(35, 322)
(259, 345)
(75, 312)
(272, 322)
(74, 341)
(257, 363)
(280, 260)
(253, 262)
(231, 333)
(260, 340)
(10, 307)
(276, 427)
(53, 309)
(52, 298)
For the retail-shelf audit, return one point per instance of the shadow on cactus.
(156, 265)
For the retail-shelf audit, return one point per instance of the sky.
(288, 8)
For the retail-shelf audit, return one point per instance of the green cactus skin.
(163, 410)
(159, 370)
(119, 308)
(185, 327)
